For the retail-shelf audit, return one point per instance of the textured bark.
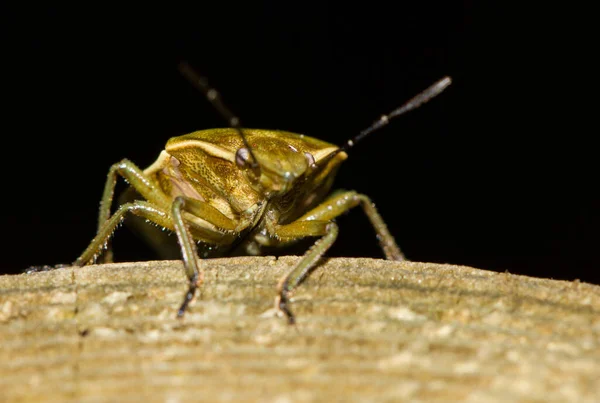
(368, 330)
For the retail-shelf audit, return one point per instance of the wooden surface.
(368, 330)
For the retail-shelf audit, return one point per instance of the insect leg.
(141, 208)
(341, 202)
(185, 227)
(300, 229)
(208, 213)
(188, 252)
(138, 180)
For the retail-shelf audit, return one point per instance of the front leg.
(343, 201)
(189, 252)
(181, 220)
(318, 222)
(301, 229)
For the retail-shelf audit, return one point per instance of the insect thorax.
(296, 171)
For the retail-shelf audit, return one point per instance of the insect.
(246, 188)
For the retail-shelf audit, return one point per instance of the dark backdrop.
(495, 173)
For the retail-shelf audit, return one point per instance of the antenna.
(214, 98)
(431, 92)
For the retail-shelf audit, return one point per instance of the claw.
(282, 304)
(188, 297)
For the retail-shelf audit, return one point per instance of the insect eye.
(242, 157)
(310, 159)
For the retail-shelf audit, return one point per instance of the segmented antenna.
(413, 103)
(214, 97)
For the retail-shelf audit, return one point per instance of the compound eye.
(310, 160)
(242, 157)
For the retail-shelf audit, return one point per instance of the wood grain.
(368, 330)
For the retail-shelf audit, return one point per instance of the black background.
(496, 173)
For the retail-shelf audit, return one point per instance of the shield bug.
(244, 188)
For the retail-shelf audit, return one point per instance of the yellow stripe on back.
(209, 148)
